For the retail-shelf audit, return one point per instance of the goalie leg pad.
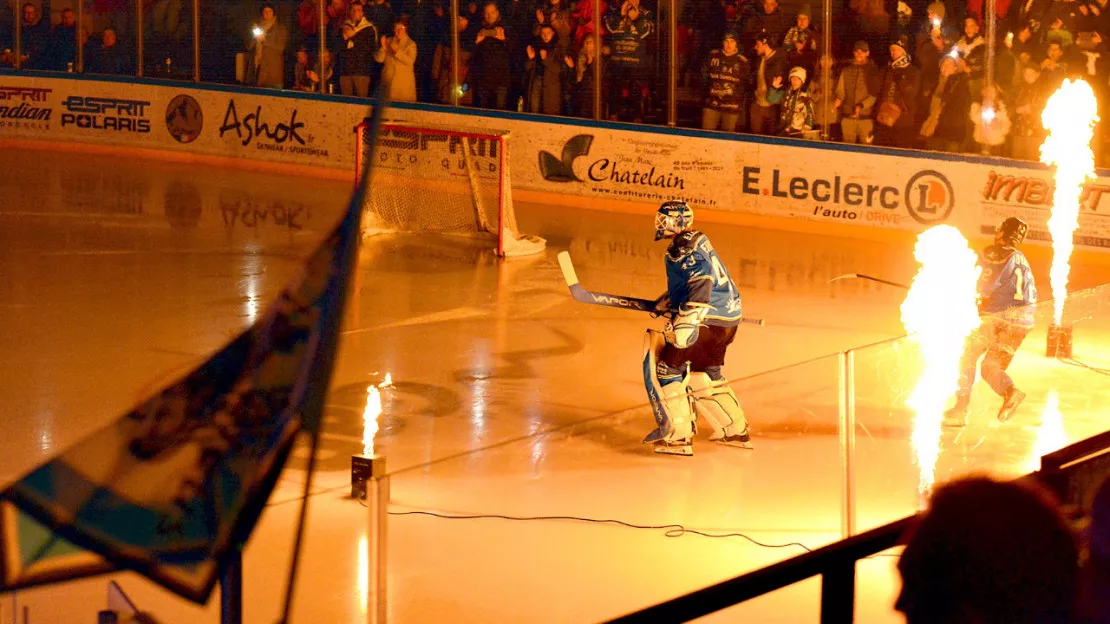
(667, 391)
(717, 403)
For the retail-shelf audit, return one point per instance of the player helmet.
(673, 217)
(1011, 232)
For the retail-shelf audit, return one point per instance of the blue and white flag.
(173, 486)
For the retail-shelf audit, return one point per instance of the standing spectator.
(727, 72)
(628, 60)
(1028, 133)
(399, 55)
(855, 95)
(1053, 68)
(801, 53)
(802, 29)
(491, 67)
(972, 51)
(544, 72)
(772, 65)
(63, 43)
(582, 93)
(105, 57)
(34, 39)
(796, 108)
(991, 122)
(768, 20)
(359, 40)
(268, 48)
(822, 89)
(897, 99)
(556, 14)
(945, 129)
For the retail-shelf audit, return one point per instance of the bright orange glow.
(371, 413)
(362, 587)
(939, 312)
(1069, 118)
(1051, 436)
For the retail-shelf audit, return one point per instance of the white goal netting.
(444, 180)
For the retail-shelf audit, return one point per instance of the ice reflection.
(362, 585)
(253, 298)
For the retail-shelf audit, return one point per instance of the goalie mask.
(672, 218)
(1011, 232)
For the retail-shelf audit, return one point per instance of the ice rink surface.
(509, 397)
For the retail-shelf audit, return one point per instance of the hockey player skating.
(682, 366)
(1006, 295)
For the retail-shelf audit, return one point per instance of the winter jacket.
(728, 76)
(398, 73)
(955, 107)
(796, 111)
(899, 86)
(544, 78)
(491, 65)
(357, 54)
(857, 85)
(974, 53)
(269, 57)
(627, 38)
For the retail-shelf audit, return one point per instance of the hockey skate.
(675, 447)
(1010, 402)
(740, 440)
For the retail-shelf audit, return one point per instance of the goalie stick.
(867, 277)
(614, 301)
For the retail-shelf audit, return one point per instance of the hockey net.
(444, 180)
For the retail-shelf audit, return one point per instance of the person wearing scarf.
(268, 47)
(895, 110)
(360, 38)
(796, 107)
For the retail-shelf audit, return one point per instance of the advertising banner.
(818, 182)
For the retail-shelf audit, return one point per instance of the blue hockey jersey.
(697, 277)
(1006, 283)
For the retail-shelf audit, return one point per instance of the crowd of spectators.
(898, 73)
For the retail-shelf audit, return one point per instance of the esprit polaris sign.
(106, 114)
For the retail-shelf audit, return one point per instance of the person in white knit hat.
(796, 107)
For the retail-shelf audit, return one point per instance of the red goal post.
(448, 180)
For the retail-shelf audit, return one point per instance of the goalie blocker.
(444, 180)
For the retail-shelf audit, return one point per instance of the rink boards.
(607, 162)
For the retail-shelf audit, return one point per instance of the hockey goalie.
(682, 365)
